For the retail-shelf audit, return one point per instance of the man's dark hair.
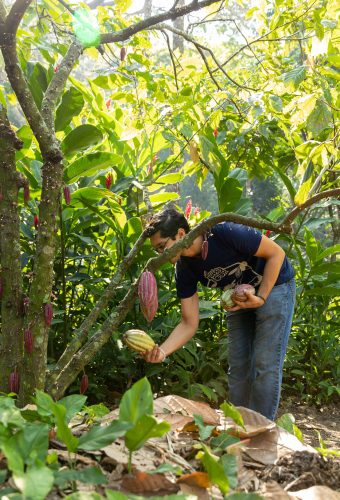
(168, 222)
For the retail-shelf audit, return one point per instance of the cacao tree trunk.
(11, 335)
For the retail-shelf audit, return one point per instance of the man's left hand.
(252, 302)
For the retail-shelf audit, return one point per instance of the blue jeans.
(257, 343)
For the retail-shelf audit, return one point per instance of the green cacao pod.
(138, 340)
(226, 298)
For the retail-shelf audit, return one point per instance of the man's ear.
(181, 232)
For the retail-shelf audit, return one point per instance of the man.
(258, 329)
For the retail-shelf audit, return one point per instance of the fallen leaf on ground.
(187, 407)
(200, 479)
(141, 482)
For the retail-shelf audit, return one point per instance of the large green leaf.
(136, 402)
(311, 245)
(63, 431)
(71, 105)
(320, 118)
(91, 164)
(145, 428)
(100, 436)
(37, 81)
(35, 483)
(73, 404)
(229, 194)
(32, 442)
(295, 76)
(215, 470)
(81, 138)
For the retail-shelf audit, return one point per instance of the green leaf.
(204, 430)
(163, 197)
(320, 118)
(294, 76)
(229, 194)
(15, 461)
(91, 164)
(232, 412)
(10, 415)
(89, 475)
(311, 245)
(63, 431)
(136, 402)
(223, 440)
(35, 483)
(100, 436)
(302, 194)
(145, 428)
(81, 138)
(215, 470)
(287, 422)
(71, 105)
(86, 495)
(32, 442)
(73, 404)
(44, 403)
(329, 291)
(328, 251)
(38, 82)
(230, 467)
(90, 195)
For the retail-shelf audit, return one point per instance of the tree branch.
(58, 82)
(126, 33)
(16, 14)
(295, 212)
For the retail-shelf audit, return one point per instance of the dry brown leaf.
(273, 491)
(196, 492)
(317, 493)
(199, 479)
(140, 482)
(186, 407)
(176, 421)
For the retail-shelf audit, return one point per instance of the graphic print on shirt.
(218, 273)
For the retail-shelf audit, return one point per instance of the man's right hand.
(155, 355)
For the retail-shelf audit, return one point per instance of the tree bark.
(11, 335)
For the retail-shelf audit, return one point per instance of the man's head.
(165, 229)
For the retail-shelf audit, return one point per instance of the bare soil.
(311, 419)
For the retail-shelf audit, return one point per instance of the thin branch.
(166, 36)
(126, 33)
(200, 48)
(295, 212)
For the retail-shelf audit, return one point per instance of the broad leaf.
(145, 428)
(215, 470)
(91, 164)
(71, 105)
(100, 436)
(81, 138)
(35, 483)
(73, 404)
(232, 412)
(136, 402)
(204, 430)
(63, 431)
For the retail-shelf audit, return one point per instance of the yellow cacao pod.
(138, 340)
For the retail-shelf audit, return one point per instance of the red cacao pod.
(14, 381)
(28, 340)
(84, 384)
(108, 180)
(36, 221)
(26, 193)
(239, 292)
(215, 132)
(267, 233)
(204, 249)
(196, 211)
(148, 295)
(67, 195)
(48, 313)
(122, 53)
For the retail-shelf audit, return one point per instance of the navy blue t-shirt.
(230, 261)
